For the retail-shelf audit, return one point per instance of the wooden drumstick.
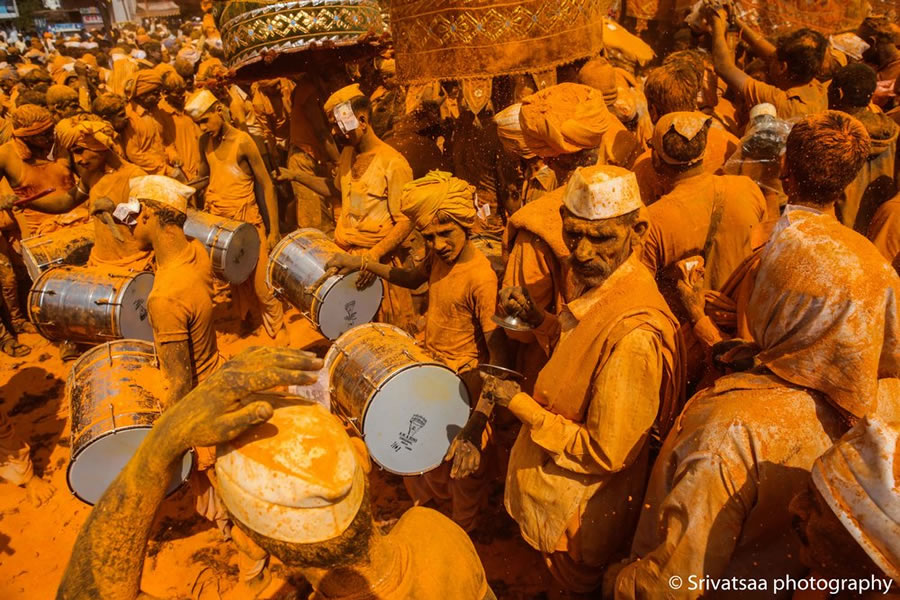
(32, 198)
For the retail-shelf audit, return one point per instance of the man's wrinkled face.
(446, 240)
(826, 545)
(211, 123)
(88, 161)
(597, 248)
(65, 108)
(149, 99)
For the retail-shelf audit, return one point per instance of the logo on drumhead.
(350, 310)
(408, 440)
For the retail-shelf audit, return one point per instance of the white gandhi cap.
(602, 192)
(161, 189)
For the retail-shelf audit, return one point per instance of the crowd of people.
(691, 261)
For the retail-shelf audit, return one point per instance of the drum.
(233, 245)
(407, 407)
(114, 392)
(67, 246)
(492, 248)
(298, 262)
(88, 304)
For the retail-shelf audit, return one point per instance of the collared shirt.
(797, 101)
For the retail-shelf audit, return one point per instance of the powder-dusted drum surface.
(407, 407)
(233, 245)
(114, 392)
(335, 305)
(91, 304)
(69, 246)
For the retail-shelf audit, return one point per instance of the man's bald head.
(823, 154)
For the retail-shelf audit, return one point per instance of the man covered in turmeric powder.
(578, 469)
(235, 168)
(370, 178)
(142, 137)
(462, 295)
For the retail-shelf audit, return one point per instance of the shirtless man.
(232, 161)
(370, 178)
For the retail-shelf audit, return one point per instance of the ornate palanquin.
(774, 17)
(263, 30)
(478, 39)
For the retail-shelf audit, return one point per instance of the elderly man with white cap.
(295, 483)
(578, 469)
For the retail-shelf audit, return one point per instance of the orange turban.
(98, 136)
(66, 131)
(89, 59)
(30, 119)
(143, 82)
(600, 75)
(438, 193)
(564, 119)
(60, 93)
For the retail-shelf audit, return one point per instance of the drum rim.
(224, 251)
(117, 315)
(74, 457)
(362, 424)
(276, 252)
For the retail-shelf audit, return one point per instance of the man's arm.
(175, 363)
(108, 556)
(395, 236)
(406, 277)
(723, 59)
(322, 186)
(251, 153)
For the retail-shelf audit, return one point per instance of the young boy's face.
(446, 240)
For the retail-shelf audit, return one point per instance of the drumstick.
(199, 181)
(33, 197)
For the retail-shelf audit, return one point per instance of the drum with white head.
(407, 407)
(233, 246)
(296, 270)
(67, 246)
(91, 304)
(114, 392)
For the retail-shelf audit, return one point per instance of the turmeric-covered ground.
(186, 557)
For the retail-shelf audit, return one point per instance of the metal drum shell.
(91, 304)
(298, 262)
(233, 245)
(368, 361)
(113, 390)
(68, 246)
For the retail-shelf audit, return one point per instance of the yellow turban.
(66, 131)
(30, 119)
(600, 75)
(98, 136)
(60, 93)
(438, 193)
(143, 82)
(89, 59)
(564, 119)
(345, 94)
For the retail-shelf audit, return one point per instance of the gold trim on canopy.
(464, 39)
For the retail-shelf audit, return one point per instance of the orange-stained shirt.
(231, 191)
(143, 142)
(370, 204)
(720, 145)
(181, 308)
(884, 231)
(181, 138)
(797, 101)
(461, 301)
(107, 249)
(435, 559)
(680, 223)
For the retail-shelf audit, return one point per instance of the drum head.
(95, 467)
(344, 307)
(411, 420)
(241, 255)
(134, 319)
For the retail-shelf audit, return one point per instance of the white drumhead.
(409, 423)
(242, 254)
(344, 307)
(102, 460)
(134, 319)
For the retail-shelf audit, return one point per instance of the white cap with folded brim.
(161, 189)
(858, 479)
(295, 478)
(197, 105)
(602, 192)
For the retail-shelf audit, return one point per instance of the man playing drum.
(370, 179)
(235, 168)
(579, 467)
(462, 296)
(296, 484)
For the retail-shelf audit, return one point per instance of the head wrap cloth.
(143, 82)
(30, 119)
(97, 136)
(564, 119)
(345, 94)
(438, 193)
